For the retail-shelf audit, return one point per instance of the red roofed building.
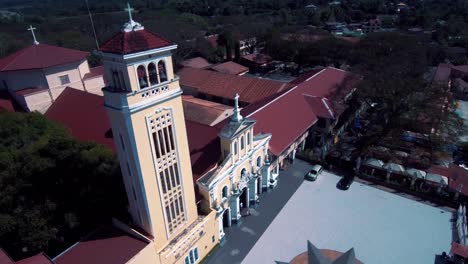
(311, 99)
(221, 88)
(257, 62)
(197, 63)
(230, 67)
(205, 112)
(84, 115)
(35, 76)
(40, 258)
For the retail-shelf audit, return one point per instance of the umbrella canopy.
(436, 178)
(393, 167)
(374, 163)
(416, 173)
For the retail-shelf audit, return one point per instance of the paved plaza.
(384, 228)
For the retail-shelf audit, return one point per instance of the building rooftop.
(124, 43)
(197, 63)
(227, 85)
(230, 67)
(107, 245)
(295, 110)
(40, 56)
(203, 111)
(84, 115)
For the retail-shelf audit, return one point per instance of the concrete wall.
(18, 80)
(94, 85)
(72, 70)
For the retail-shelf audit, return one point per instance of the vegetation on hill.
(53, 188)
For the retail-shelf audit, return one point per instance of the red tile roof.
(30, 90)
(203, 111)
(303, 77)
(227, 85)
(108, 245)
(459, 250)
(4, 258)
(134, 41)
(321, 106)
(84, 115)
(39, 57)
(291, 114)
(230, 67)
(197, 63)
(205, 148)
(94, 72)
(40, 258)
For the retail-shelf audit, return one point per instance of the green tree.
(53, 189)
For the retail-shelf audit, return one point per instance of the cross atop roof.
(31, 28)
(236, 117)
(129, 9)
(131, 25)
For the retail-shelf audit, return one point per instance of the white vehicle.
(314, 173)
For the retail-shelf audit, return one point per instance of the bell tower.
(143, 100)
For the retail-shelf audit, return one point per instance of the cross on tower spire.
(236, 117)
(129, 9)
(31, 28)
(131, 25)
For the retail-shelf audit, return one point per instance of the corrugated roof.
(134, 41)
(227, 85)
(39, 57)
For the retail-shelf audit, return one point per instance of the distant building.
(37, 75)
(257, 62)
(373, 25)
(230, 67)
(196, 63)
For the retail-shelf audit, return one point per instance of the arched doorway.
(244, 199)
(227, 217)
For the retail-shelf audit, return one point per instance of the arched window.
(248, 138)
(153, 74)
(243, 172)
(235, 148)
(242, 142)
(142, 77)
(162, 71)
(259, 161)
(225, 192)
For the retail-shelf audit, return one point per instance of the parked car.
(345, 183)
(313, 173)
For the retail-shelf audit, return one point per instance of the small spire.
(31, 28)
(236, 117)
(131, 25)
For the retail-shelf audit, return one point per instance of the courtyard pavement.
(382, 227)
(239, 240)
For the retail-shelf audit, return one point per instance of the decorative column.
(253, 187)
(235, 210)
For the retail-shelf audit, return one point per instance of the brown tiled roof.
(205, 148)
(230, 67)
(84, 115)
(227, 85)
(108, 245)
(197, 63)
(135, 41)
(39, 57)
(293, 110)
(203, 111)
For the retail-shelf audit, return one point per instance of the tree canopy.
(53, 188)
